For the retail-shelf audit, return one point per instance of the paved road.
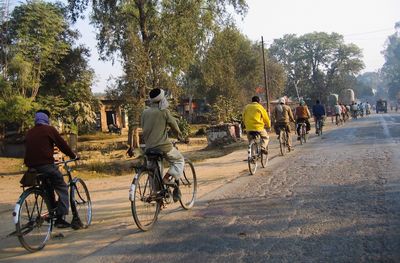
(335, 199)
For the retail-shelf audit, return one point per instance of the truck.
(381, 106)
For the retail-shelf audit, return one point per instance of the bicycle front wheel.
(252, 157)
(80, 201)
(144, 204)
(34, 221)
(264, 158)
(188, 185)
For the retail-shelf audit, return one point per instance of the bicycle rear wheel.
(144, 204)
(80, 201)
(33, 220)
(304, 133)
(252, 157)
(282, 141)
(188, 186)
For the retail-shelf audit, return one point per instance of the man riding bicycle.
(39, 149)
(154, 121)
(318, 111)
(283, 115)
(302, 115)
(256, 119)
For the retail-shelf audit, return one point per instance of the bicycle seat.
(254, 134)
(153, 153)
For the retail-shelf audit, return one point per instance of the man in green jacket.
(155, 121)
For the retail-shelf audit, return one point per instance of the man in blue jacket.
(318, 111)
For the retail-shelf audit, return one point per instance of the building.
(111, 112)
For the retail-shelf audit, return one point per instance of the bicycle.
(303, 132)
(318, 126)
(148, 194)
(254, 152)
(34, 212)
(283, 138)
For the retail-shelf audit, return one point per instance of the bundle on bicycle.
(35, 212)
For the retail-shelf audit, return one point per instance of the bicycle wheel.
(320, 128)
(80, 201)
(144, 205)
(33, 220)
(282, 141)
(304, 133)
(301, 135)
(252, 157)
(188, 186)
(264, 158)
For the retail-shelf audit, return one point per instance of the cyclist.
(338, 113)
(39, 150)
(283, 115)
(302, 115)
(318, 111)
(255, 118)
(154, 121)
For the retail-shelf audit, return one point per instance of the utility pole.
(265, 75)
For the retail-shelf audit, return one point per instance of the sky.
(366, 23)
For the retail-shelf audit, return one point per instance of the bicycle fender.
(132, 188)
(15, 213)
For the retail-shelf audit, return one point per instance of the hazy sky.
(366, 23)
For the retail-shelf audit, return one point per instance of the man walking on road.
(256, 119)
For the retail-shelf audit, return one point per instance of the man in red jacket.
(39, 148)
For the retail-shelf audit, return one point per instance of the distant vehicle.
(381, 106)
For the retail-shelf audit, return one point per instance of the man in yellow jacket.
(256, 119)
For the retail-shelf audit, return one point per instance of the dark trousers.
(56, 183)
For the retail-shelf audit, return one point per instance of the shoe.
(176, 194)
(264, 151)
(298, 138)
(76, 223)
(169, 180)
(61, 223)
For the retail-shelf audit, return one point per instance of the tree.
(320, 63)
(157, 40)
(45, 68)
(391, 68)
(39, 37)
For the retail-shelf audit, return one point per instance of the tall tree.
(318, 62)
(157, 40)
(391, 68)
(39, 36)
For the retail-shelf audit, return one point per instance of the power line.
(368, 32)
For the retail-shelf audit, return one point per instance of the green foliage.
(40, 37)
(157, 40)
(223, 110)
(17, 109)
(317, 63)
(391, 68)
(45, 67)
(184, 127)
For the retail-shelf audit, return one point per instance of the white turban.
(161, 99)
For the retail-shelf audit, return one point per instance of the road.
(334, 199)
